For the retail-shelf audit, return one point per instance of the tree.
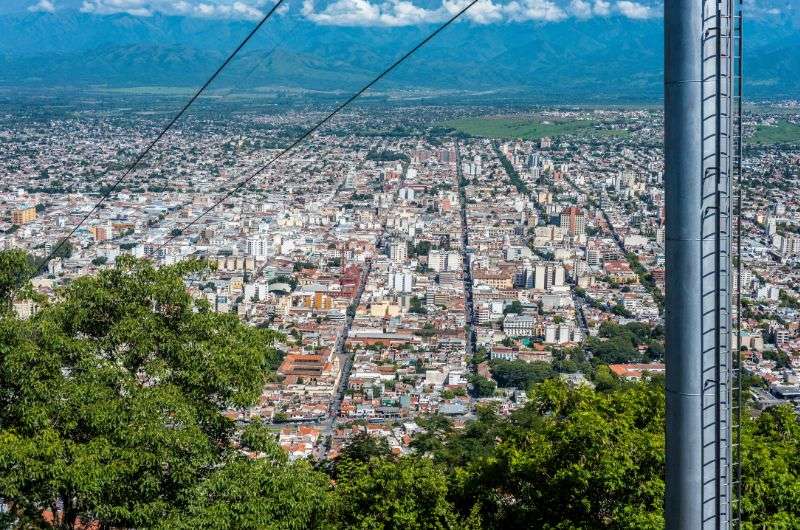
(110, 413)
(111, 398)
(482, 387)
(301, 265)
(571, 458)
(363, 448)
(408, 493)
(417, 307)
(15, 271)
(520, 374)
(605, 379)
(64, 250)
(254, 494)
(771, 466)
(515, 307)
(428, 330)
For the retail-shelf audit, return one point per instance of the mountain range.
(609, 59)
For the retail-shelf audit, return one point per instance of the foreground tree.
(771, 468)
(571, 458)
(111, 398)
(387, 493)
(15, 270)
(266, 492)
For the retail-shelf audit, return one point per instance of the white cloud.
(109, 7)
(205, 8)
(602, 8)
(525, 10)
(580, 8)
(378, 12)
(761, 8)
(483, 12)
(43, 6)
(404, 12)
(635, 10)
(234, 10)
(585, 9)
(365, 13)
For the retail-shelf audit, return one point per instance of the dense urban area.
(416, 264)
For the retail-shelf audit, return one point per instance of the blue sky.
(394, 12)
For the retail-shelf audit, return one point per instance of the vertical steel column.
(683, 32)
(698, 86)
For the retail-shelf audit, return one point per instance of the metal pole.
(698, 90)
(683, 139)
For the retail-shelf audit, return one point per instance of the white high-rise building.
(437, 260)
(441, 261)
(453, 261)
(540, 278)
(407, 194)
(257, 247)
(398, 251)
(551, 334)
(401, 282)
(558, 276)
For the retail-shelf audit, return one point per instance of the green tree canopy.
(408, 493)
(111, 398)
(15, 270)
(520, 374)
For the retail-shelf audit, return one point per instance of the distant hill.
(604, 60)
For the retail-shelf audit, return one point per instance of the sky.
(395, 12)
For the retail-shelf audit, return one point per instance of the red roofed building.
(634, 372)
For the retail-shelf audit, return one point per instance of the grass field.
(781, 133)
(528, 128)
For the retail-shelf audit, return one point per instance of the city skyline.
(382, 303)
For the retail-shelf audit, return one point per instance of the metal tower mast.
(700, 125)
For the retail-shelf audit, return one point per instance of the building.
(398, 251)
(635, 372)
(620, 271)
(23, 216)
(440, 261)
(257, 247)
(573, 222)
(497, 279)
(518, 325)
(101, 232)
(401, 282)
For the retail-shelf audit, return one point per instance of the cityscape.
(542, 270)
(412, 274)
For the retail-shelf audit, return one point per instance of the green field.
(528, 128)
(781, 133)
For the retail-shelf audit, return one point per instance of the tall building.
(540, 278)
(23, 216)
(573, 222)
(257, 247)
(398, 251)
(401, 282)
(101, 232)
(558, 276)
